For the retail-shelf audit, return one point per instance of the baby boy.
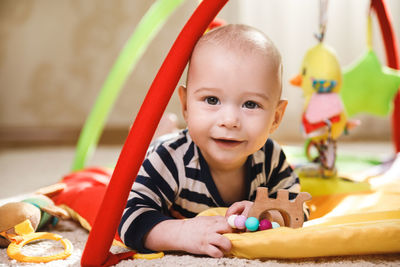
(231, 104)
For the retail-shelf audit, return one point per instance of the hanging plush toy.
(369, 87)
(324, 119)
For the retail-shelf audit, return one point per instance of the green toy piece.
(134, 48)
(369, 87)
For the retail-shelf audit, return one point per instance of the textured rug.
(78, 236)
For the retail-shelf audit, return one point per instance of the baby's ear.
(183, 97)
(279, 112)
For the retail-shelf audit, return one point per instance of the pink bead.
(240, 222)
(265, 225)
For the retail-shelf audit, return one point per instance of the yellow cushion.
(352, 224)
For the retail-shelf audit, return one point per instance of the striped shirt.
(174, 181)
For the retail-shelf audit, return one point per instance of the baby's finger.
(246, 210)
(222, 242)
(221, 225)
(214, 252)
(235, 208)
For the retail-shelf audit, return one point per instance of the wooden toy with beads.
(291, 210)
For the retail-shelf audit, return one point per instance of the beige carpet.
(78, 236)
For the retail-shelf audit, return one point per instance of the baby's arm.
(146, 223)
(199, 235)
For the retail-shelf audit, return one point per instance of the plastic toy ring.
(150, 256)
(14, 249)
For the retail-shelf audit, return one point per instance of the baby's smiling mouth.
(227, 142)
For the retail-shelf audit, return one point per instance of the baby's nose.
(229, 118)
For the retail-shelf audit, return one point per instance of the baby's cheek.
(260, 136)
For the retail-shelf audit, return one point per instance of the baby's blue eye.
(212, 100)
(250, 105)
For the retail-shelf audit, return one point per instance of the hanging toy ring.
(14, 249)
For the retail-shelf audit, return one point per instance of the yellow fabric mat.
(341, 224)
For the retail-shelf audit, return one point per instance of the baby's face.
(231, 104)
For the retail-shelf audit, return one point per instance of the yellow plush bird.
(320, 79)
(324, 119)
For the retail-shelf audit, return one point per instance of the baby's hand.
(203, 235)
(239, 208)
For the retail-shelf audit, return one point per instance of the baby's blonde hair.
(246, 39)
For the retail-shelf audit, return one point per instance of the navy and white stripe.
(174, 181)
